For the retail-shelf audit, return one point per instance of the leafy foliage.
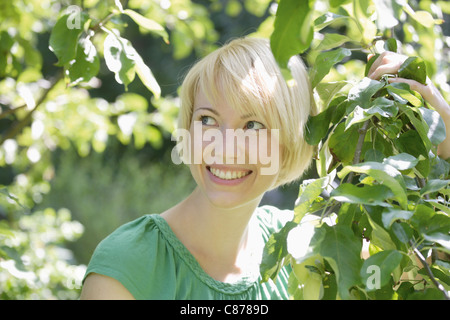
(380, 203)
(55, 61)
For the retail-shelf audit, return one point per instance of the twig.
(99, 25)
(362, 134)
(422, 183)
(6, 113)
(419, 255)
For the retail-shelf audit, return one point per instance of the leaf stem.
(99, 25)
(362, 134)
(6, 113)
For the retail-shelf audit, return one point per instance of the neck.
(223, 231)
(216, 235)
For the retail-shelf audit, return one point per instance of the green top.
(151, 262)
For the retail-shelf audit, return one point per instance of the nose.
(236, 142)
(224, 146)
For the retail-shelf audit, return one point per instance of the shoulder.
(125, 254)
(129, 237)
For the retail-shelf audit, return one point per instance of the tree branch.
(362, 134)
(6, 113)
(422, 259)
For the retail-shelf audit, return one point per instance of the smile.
(229, 174)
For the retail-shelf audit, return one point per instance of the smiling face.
(231, 171)
(240, 87)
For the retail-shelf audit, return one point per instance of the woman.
(210, 245)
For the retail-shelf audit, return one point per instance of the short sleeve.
(127, 255)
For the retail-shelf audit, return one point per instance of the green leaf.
(420, 125)
(402, 93)
(342, 143)
(317, 127)
(148, 24)
(384, 107)
(402, 231)
(434, 185)
(391, 45)
(363, 11)
(381, 107)
(358, 115)
(440, 238)
(402, 161)
(436, 128)
(376, 270)
(327, 19)
(341, 249)
(423, 17)
(331, 41)
(324, 62)
(368, 195)
(361, 94)
(410, 142)
(413, 68)
(378, 235)
(293, 29)
(338, 3)
(5, 231)
(120, 58)
(392, 214)
(308, 193)
(440, 273)
(370, 63)
(86, 64)
(6, 42)
(422, 215)
(64, 37)
(437, 203)
(328, 90)
(146, 76)
(384, 174)
(274, 253)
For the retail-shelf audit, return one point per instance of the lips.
(228, 174)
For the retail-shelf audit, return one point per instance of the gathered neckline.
(238, 287)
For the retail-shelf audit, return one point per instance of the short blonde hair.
(245, 72)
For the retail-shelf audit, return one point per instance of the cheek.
(196, 144)
(269, 154)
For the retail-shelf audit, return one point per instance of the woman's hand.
(389, 63)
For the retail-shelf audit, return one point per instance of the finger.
(390, 68)
(414, 85)
(375, 64)
(428, 91)
(383, 58)
(386, 58)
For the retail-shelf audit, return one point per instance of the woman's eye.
(254, 125)
(207, 120)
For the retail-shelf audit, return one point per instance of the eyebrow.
(246, 116)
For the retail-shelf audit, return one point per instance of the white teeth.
(228, 175)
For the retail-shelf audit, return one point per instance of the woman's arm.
(99, 287)
(389, 63)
